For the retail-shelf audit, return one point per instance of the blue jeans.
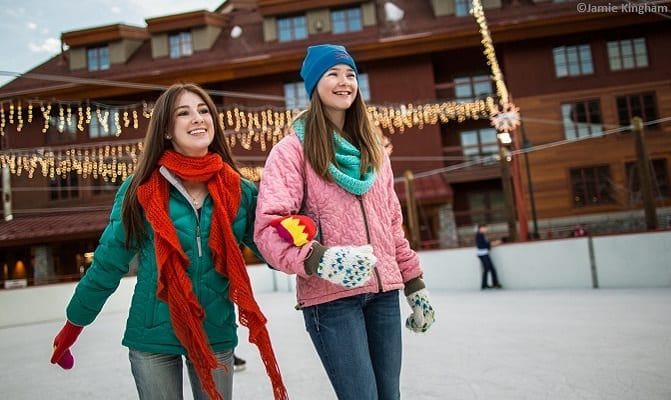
(488, 268)
(358, 340)
(159, 376)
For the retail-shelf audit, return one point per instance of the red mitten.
(295, 229)
(62, 343)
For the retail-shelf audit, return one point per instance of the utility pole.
(644, 174)
(532, 202)
(6, 185)
(509, 201)
(411, 210)
(518, 191)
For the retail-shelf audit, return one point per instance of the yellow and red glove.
(62, 343)
(295, 229)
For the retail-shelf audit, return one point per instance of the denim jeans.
(159, 376)
(358, 340)
(488, 268)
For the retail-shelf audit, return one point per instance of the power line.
(60, 209)
(596, 136)
(492, 158)
(131, 85)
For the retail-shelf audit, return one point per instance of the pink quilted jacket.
(342, 218)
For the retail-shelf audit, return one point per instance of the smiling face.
(193, 125)
(337, 90)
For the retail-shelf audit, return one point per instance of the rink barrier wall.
(641, 260)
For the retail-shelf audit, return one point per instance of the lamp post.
(526, 144)
(518, 190)
(6, 183)
(506, 120)
(413, 222)
(507, 186)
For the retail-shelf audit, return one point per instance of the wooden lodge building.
(577, 72)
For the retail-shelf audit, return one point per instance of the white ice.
(598, 344)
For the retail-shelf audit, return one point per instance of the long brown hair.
(319, 144)
(155, 144)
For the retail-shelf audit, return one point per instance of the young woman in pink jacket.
(331, 176)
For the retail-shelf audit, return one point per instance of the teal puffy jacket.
(148, 327)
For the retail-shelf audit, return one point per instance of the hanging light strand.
(108, 161)
(246, 126)
(489, 52)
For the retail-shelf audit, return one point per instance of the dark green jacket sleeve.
(110, 263)
(249, 193)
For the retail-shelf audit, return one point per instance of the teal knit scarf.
(347, 174)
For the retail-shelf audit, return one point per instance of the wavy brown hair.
(155, 144)
(319, 142)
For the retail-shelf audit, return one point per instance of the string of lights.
(478, 13)
(244, 124)
(105, 160)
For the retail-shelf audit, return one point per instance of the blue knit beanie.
(319, 59)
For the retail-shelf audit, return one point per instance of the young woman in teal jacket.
(184, 214)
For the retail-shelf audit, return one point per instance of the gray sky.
(30, 31)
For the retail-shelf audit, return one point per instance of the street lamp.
(393, 13)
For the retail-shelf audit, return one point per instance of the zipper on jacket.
(200, 248)
(198, 240)
(365, 224)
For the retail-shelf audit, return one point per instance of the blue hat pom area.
(319, 59)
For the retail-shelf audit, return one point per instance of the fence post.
(592, 262)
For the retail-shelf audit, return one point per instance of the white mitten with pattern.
(348, 266)
(422, 316)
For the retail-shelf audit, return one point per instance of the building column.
(44, 264)
(447, 231)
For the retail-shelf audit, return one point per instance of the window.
(292, 28)
(479, 143)
(104, 185)
(627, 54)
(62, 128)
(659, 179)
(364, 87)
(462, 7)
(636, 105)
(104, 123)
(98, 58)
(349, 20)
(296, 98)
(64, 186)
(486, 207)
(581, 119)
(472, 87)
(591, 186)
(573, 60)
(181, 44)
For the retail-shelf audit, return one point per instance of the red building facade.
(72, 126)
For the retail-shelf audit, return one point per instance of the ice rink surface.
(598, 344)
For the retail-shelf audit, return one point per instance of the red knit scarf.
(175, 287)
